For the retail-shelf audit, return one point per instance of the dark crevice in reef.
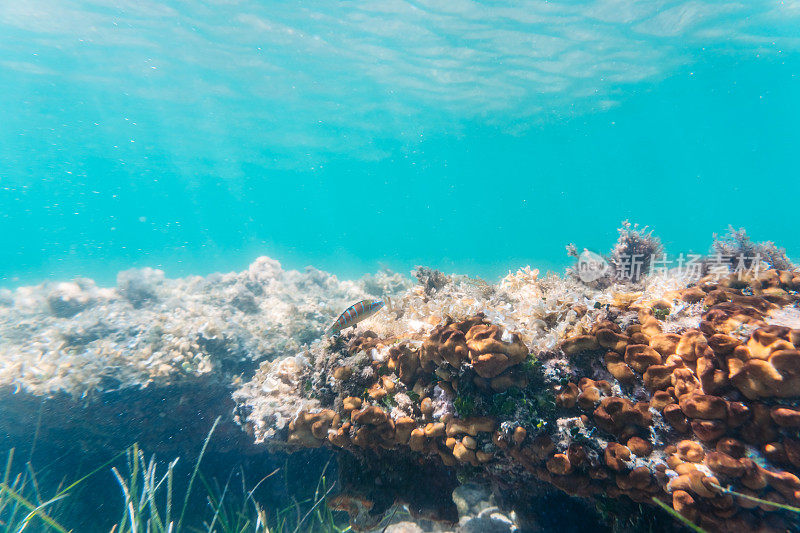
(392, 477)
(166, 420)
(66, 438)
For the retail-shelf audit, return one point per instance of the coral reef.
(673, 392)
(76, 338)
(100, 362)
(597, 397)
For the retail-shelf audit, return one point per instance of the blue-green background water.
(472, 137)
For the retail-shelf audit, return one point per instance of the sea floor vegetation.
(152, 498)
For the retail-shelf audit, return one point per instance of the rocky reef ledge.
(615, 391)
(155, 360)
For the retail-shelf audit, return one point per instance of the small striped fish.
(355, 314)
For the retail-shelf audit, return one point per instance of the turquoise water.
(471, 137)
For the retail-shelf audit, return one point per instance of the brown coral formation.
(414, 371)
(638, 408)
(728, 391)
(432, 373)
(488, 348)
